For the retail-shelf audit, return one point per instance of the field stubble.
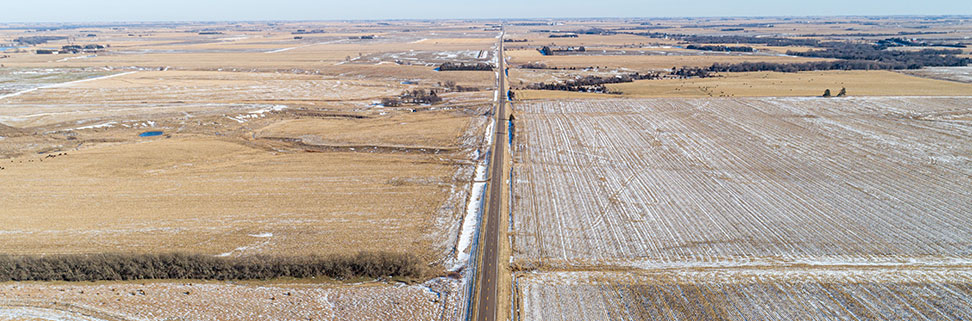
(778, 208)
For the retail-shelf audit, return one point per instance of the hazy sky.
(221, 10)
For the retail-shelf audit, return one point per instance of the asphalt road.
(486, 308)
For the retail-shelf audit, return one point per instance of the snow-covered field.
(428, 57)
(761, 208)
(17, 80)
(960, 74)
(748, 295)
(682, 180)
(149, 92)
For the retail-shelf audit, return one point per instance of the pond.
(150, 134)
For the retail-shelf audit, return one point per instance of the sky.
(250, 10)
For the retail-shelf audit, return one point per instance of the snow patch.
(78, 57)
(269, 109)
(281, 50)
(64, 84)
(474, 208)
(32, 313)
(108, 124)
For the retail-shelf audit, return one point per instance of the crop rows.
(681, 181)
(747, 295)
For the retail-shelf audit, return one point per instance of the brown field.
(202, 300)
(643, 63)
(808, 83)
(210, 196)
(275, 143)
(754, 295)
(271, 146)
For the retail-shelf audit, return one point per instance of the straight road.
(486, 307)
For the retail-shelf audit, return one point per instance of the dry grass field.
(219, 197)
(767, 84)
(808, 83)
(274, 140)
(882, 294)
(643, 63)
(256, 300)
(270, 145)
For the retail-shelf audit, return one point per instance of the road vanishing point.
(486, 305)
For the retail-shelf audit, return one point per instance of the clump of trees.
(852, 56)
(690, 72)
(593, 84)
(37, 40)
(720, 48)
(902, 42)
(451, 85)
(889, 59)
(98, 267)
(447, 66)
(548, 51)
(534, 65)
(795, 67)
(594, 31)
(856, 56)
(842, 93)
(415, 96)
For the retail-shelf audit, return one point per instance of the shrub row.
(97, 267)
(449, 66)
(593, 84)
(877, 53)
(720, 48)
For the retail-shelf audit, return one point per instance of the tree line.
(99, 267)
(450, 66)
(854, 56)
(548, 51)
(37, 40)
(415, 96)
(592, 84)
(720, 48)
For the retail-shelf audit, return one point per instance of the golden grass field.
(275, 145)
(210, 196)
(771, 84)
(808, 83)
(271, 146)
(643, 63)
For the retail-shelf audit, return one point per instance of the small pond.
(150, 134)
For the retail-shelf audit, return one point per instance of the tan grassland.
(663, 201)
(271, 146)
(643, 62)
(808, 83)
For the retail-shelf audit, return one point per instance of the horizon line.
(483, 19)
